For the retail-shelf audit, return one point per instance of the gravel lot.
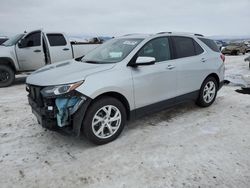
(185, 146)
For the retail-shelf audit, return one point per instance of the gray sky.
(117, 17)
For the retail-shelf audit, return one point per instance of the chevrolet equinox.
(123, 79)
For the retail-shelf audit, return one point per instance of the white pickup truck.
(30, 51)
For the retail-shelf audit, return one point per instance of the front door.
(30, 53)
(154, 83)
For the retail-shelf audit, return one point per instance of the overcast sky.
(118, 17)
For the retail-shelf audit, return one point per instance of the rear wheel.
(7, 76)
(104, 121)
(208, 92)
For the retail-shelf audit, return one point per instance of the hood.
(64, 73)
(4, 50)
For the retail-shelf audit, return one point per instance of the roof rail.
(131, 34)
(200, 35)
(164, 32)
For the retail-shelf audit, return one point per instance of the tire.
(203, 101)
(7, 76)
(97, 124)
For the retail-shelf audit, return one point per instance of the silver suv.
(123, 79)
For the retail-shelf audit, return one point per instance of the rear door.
(30, 53)
(154, 83)
(59, 47)
(190, 62)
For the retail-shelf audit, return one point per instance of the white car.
(31, 51)
(123, 79)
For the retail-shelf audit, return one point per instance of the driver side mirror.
(140, 61)
(21, 43)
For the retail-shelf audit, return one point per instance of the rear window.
(56, 40)
(186, 47)
(211, 44)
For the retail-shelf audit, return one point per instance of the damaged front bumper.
(59, 113)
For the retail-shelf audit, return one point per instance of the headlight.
(59, 90)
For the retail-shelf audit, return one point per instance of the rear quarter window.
(56, 40)
(211, 44)
(186, 47)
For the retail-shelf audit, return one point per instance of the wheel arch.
(214, 75)
(119, 97)
(9, 62)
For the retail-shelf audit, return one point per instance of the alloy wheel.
(106, 121)
(209, 91)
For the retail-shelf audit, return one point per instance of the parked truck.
(30, 51)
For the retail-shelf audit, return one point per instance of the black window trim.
(133, 59)
(174, 48)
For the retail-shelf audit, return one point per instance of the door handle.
(203, 60)
(65, 49)
(170, 67)
(37, 50)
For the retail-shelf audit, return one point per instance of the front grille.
(35, 95)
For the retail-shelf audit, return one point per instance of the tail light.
(222, 58)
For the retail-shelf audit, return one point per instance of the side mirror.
(140, 61)
(21, 43)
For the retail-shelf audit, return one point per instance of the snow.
(185, 146)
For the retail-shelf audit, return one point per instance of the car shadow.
(163, 117)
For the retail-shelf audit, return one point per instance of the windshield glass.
(13, 40)
(112, 51)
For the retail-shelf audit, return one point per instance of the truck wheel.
(208, 92)
(104, 121)
(7, 76)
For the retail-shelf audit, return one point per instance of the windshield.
(112, 51)
(13, 40)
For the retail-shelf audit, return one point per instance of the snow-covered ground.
(185, 146)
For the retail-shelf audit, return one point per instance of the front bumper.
(46, 111)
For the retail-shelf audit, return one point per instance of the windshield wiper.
(92, 62)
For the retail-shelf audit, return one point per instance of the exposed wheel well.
(8, 62)
(119, 97)
(215, 76)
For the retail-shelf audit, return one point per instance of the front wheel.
(208, 92)
(104, 121)
(7, 76)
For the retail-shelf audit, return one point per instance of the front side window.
(112, 51)
(184, 47)
(56, 40)
(157, 48)
(33, 39)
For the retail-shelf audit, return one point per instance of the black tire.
(7, 76)
(93, 109)
(200, 101)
